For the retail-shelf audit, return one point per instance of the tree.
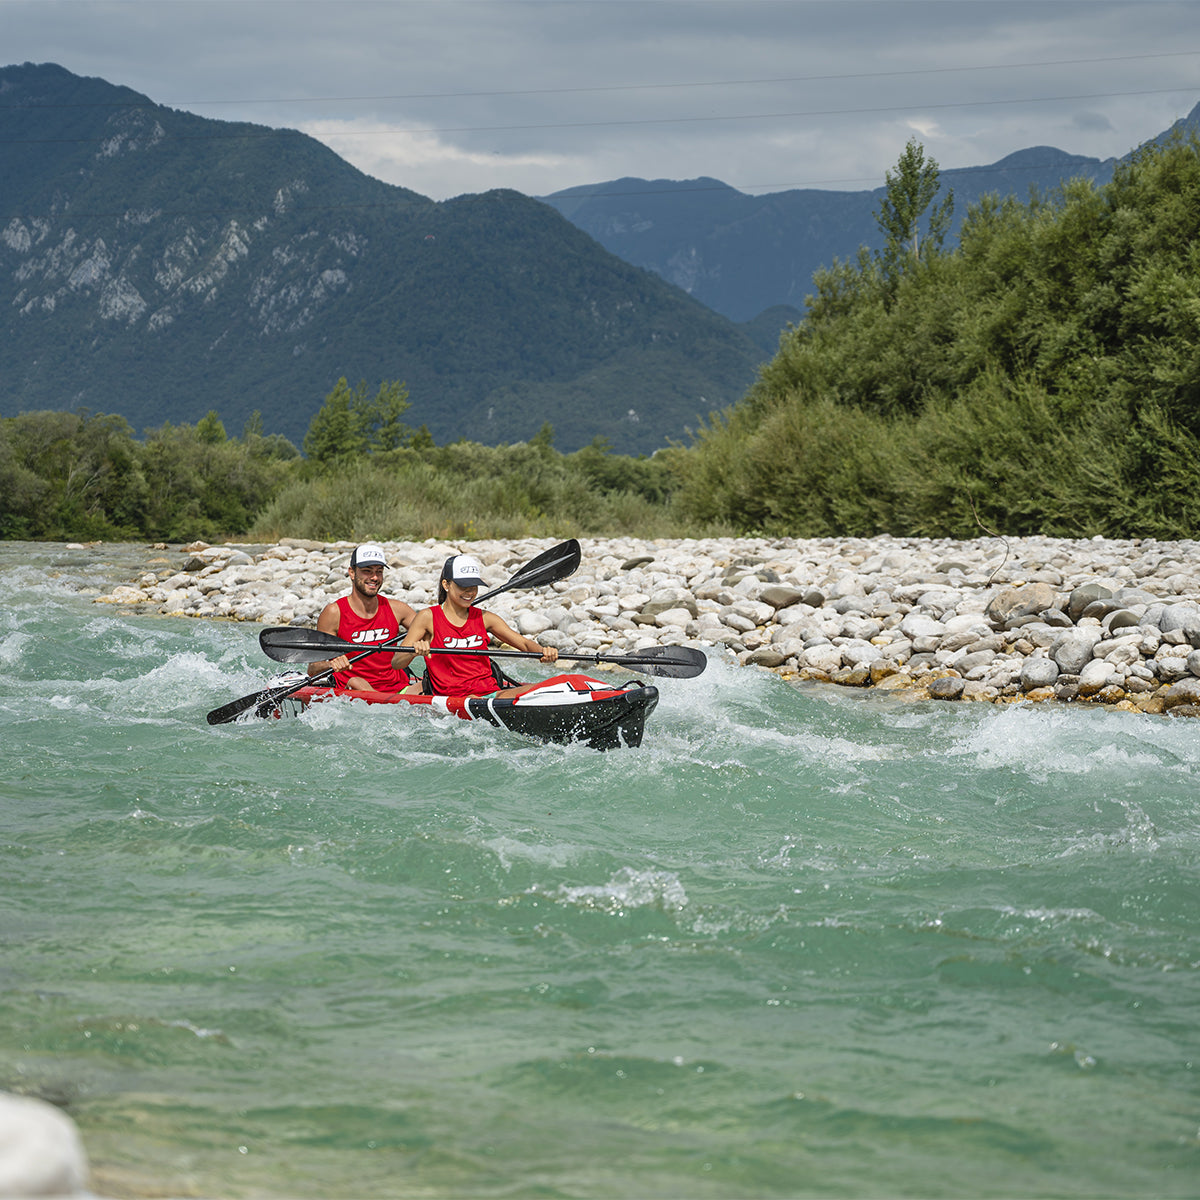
(910, 191)
(210, 430)
(253, 427)
(348, 423)
(422, 439)
(385, 430)
(335, 431)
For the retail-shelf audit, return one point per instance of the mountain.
(743, 254)
(157, 264)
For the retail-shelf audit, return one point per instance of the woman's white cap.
(465, 570)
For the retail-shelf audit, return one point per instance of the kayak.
(563, 708)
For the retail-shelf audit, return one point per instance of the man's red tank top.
(376, 669)
(460, 674)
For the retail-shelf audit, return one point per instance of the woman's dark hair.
(447, 566)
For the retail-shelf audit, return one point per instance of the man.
(367, 618)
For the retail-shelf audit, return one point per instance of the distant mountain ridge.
(157, 264)
(743, 254)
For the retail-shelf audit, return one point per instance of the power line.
(776, 116)
(714, 83)
(267, 133)
(632, 87)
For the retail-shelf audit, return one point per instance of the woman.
(454, 624)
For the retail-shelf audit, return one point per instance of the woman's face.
(464, 596)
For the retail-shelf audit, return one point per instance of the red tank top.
(460, 674)
(376, 669)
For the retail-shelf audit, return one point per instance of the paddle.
(285, 644)
(549, 567)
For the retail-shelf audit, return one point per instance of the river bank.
(1103, 621)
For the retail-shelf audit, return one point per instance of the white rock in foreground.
(40, 1150)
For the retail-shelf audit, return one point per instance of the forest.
(364, 473)
(1043, 376)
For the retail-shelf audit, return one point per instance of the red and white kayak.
(563, 708)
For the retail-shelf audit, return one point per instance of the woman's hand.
(415, 646)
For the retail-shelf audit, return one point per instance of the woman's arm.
(502, 632)
(419, 635)
(406, 615)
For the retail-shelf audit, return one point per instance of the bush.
(1043, 377)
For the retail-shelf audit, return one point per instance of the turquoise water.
(800, 943)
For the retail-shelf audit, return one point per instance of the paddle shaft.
(621, 660)
(287, 644)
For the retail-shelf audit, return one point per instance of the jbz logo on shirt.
(366, 636)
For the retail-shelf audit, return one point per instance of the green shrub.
(1043, 377)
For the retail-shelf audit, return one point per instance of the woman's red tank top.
(460, 674)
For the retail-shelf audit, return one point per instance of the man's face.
(367, 580)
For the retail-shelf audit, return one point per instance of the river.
(803, 942)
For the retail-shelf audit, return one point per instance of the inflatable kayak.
(563, 708)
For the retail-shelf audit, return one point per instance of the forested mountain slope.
(1041, 376)
(158, 265)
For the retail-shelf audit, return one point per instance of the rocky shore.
(1100, 621)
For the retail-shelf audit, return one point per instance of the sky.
(453, 96)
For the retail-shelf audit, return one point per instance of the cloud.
(450, 96)
(1092, 122)
(426, 162)
(929, 130)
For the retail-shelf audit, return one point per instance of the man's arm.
(405, 614)
(328, 622)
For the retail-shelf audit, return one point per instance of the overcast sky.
(454, 96)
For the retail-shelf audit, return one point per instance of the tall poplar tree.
(910, 191)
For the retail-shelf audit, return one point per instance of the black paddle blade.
(235, 708)
(549, 567)
(286, 644)
(263, 701)
(671, 662)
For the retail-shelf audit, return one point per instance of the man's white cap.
(368, 555)
(466, 570)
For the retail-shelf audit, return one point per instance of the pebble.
(1115, 622)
